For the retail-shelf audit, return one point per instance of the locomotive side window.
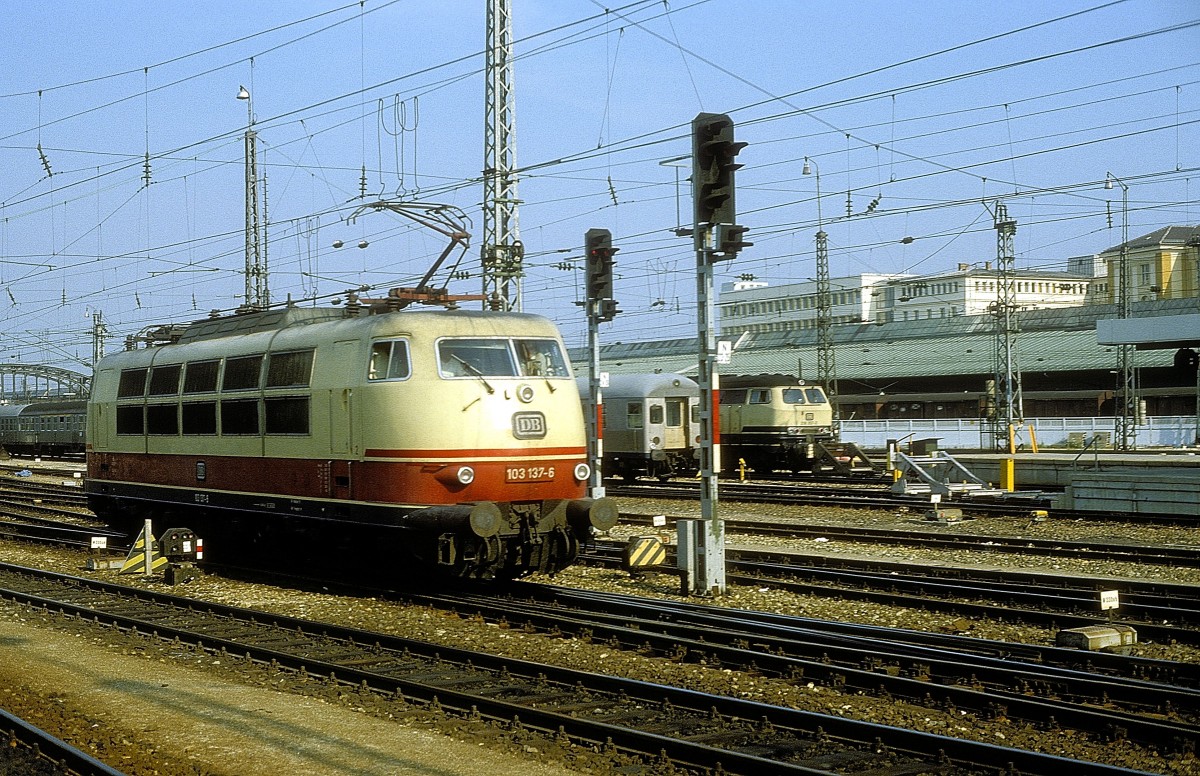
(760, 395)
(815, 395)
(133, 383)
(287, 415)
(793, 396)
(288, 370)
(200, 417)
(389, 361)
(131, 420)
(734, 396)
(541, 358)
(239, 417)
(656, 414)
(475, 358)
(200, 377)
(633, 416)
(164, 380)
(242, 374)
(162, 419)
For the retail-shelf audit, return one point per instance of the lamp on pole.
(1126, 418)
(257, 296)
(826, 366)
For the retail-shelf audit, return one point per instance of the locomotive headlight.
(582, 471)
(465, 475)
(525, 393)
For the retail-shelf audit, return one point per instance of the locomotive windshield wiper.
(473, 370)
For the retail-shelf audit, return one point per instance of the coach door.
(675, 431)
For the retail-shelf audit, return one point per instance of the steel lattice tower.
(1009, 407)
(502, 252)
(826, 365)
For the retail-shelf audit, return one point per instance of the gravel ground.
(439, 627)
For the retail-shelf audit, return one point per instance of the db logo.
(529, 425)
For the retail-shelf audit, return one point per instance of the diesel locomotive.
(429, 440)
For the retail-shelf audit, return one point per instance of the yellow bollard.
(1008, 479)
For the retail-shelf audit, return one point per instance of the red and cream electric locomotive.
(443, 439)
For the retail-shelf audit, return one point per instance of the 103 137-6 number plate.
(528, 473)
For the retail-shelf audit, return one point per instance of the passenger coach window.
(656, 414)
(675, 414)
(286, 370)
(200, 377)
(133, 383)
(389, 361)
(242, 373)
(164, 380)
(633, 415)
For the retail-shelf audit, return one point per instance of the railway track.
(1160, 612)
(31, 751)
(940, 540)
(877, 497)
(663, 726)
(1155, 703)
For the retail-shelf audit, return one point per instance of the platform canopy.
(1164, 331)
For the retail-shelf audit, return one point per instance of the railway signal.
(713, 191)
(599, 254)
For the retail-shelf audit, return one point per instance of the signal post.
(598, 255)
(717, 237)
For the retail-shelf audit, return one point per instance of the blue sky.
(935, 109)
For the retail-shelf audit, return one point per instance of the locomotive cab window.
(541, 358)
(475, 358)
(794, 396)
(815, 395)
(389, 361)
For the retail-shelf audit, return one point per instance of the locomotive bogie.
(459, 428)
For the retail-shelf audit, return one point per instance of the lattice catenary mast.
(1009, 405)
(502, 252)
